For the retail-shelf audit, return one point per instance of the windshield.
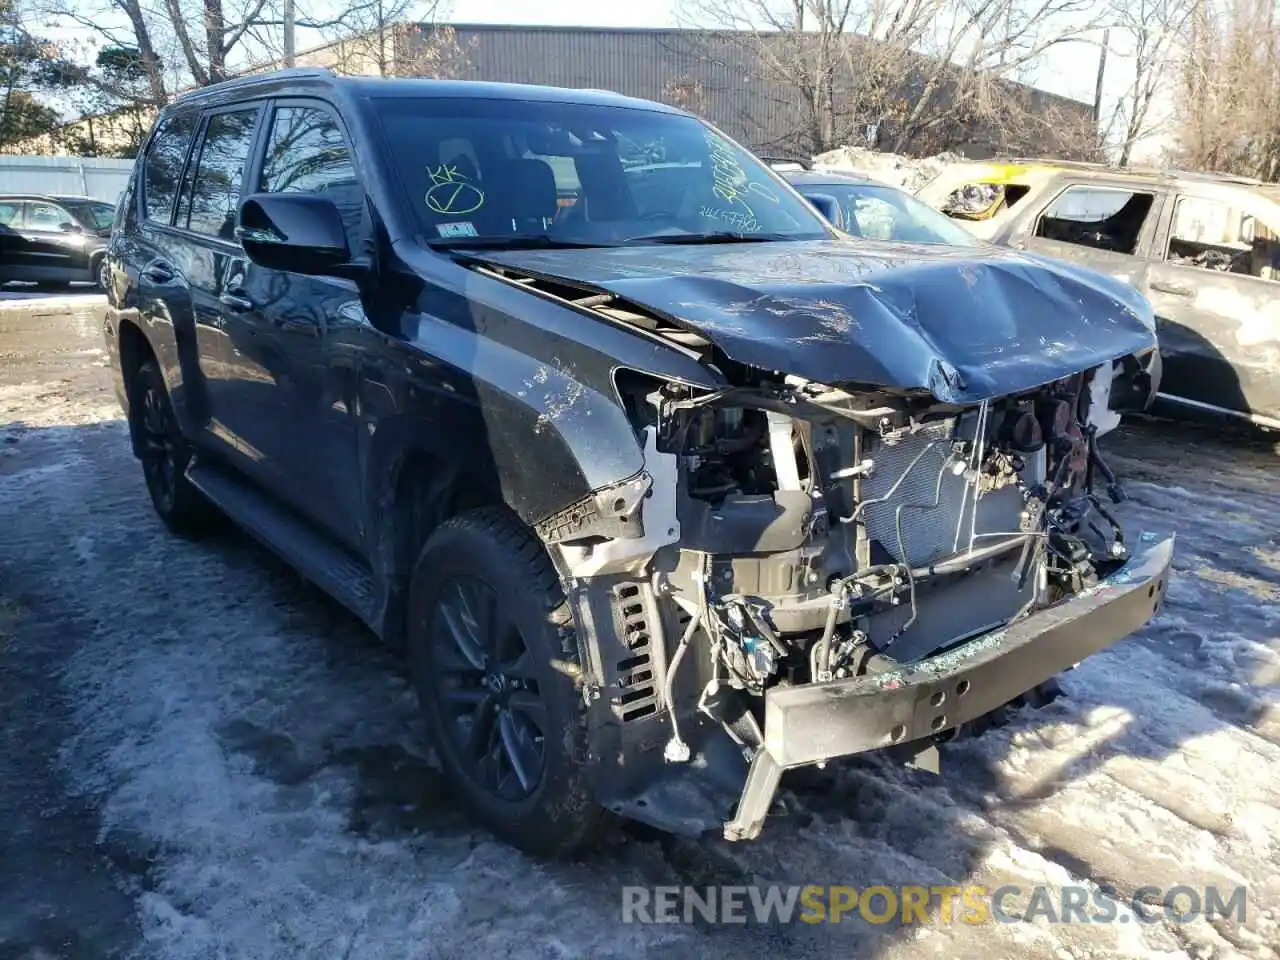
(495, 171)
(95, 216)
(880, 212)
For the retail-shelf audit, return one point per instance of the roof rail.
(247, 79)
(797, 161)
(1050, 162)
(1210, 175)
(1139, 171)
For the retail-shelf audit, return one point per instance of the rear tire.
(165, 454)
(101, 276)
(494, 658)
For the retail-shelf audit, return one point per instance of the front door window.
(1105, 218)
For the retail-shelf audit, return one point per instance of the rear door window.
(1214, 235)
(46, 216)
(1107, 218)
(163, 168)
(215, 195)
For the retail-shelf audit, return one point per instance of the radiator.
(908, 525)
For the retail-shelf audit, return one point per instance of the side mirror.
(826, 205)
(298, 232)
(66, 226)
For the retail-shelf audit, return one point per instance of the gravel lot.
(201, 756)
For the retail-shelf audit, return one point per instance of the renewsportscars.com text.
(929, 904)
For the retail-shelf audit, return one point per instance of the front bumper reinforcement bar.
(819, 721)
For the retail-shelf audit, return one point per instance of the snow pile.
(909, 173)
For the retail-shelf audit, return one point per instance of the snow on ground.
(909, 173)
(213, 760)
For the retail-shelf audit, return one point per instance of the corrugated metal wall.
(711, 74)
(697, 71)
(76, 176)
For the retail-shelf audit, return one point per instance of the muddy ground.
(201, 756)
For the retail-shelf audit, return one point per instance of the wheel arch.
(134, 349)
(417, 490)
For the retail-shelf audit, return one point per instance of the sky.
(592, 13)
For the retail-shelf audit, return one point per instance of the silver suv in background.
(1204, 249)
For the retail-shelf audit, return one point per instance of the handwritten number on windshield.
(730, 184)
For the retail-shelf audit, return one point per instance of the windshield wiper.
(720, 236)
(530, 242)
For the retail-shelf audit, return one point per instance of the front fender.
(530, 431)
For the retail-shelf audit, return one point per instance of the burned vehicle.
(1204, 249)
(662, 485)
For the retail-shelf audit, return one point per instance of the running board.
(313, 554)
(1255, 418)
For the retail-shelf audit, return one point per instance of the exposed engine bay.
(795, 534)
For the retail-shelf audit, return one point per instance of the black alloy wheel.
(165, 454)
(496, 664)
(488, 691)
(157, 451)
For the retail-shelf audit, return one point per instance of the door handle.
(157, 272)
(1175, 289)
(235, 302)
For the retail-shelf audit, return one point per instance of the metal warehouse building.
(713, 74)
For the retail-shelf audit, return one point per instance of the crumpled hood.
(966, 324)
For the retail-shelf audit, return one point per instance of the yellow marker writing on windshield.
(451, 193)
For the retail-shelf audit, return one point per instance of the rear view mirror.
(298, 232)
(826, 205)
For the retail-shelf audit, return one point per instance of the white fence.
(69, 176)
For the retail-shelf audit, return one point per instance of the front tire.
(165, 454)
(494, 659)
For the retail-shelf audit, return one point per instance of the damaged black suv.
(665, 485)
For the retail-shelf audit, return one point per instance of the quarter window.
(1103, 217)
(307, 154)
(164, 164)
(215, 196)
(1214, 235)
(10, 214)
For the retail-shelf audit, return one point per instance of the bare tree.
(177, 43)
(1229, 94)
(25, 62)
(898, 74)
(375, 39)
(401, 38)
(684, 92)
(1151, 33)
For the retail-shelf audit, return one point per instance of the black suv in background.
(663, 485)
(53, 239)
